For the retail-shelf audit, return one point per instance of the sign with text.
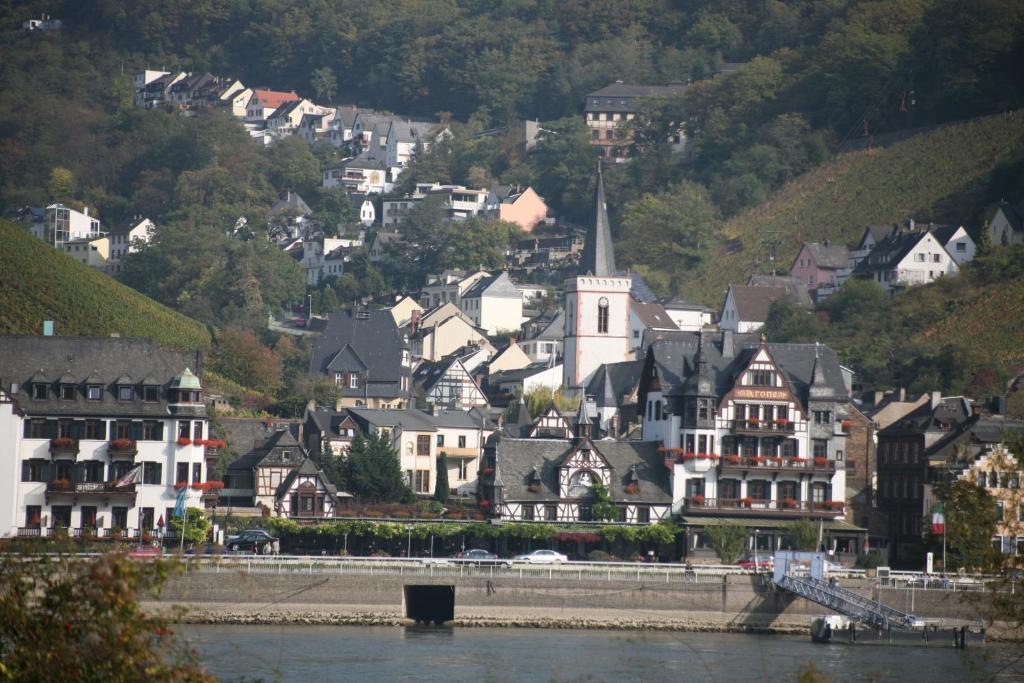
(762, 394)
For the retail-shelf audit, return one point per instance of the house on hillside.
(441, 331)
(405, 310)
(365, 174)
(1007, 225)
(614, 389)
(62, 224)
(89, 251)
(253, 479)
(907, 257)
(746, 308)
(449, 286)
(494, 304)
(334, 429)
(380, 242)
(958, 243)
(307, 492)
(516, 204)
(448, 384)
(645, 322)
(264, 102)
(607, 110)
(293, 211)
(125, 239)
(543, 336)
(286, 118)
(366, 357)
(818, 265)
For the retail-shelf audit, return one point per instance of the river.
(452, 655)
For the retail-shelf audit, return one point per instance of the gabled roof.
(519, 374)
(280, 449)
(653, 316)
(372, 337)
(621, 97)
(613, 381)
(498, 285)
(752, 303)
(1014, 215)
(309, 469)
(291, 201)
(273, 98)
(890, 251)
(796, 290)
(126, 226)
(367, 160)
(950, 412)
(828, 256)
(978, 431)
(630, 462)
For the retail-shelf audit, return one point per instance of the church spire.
(819, 387)
(598, 258)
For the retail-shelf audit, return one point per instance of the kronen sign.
(763, 394)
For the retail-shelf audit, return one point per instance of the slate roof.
(598, 257)
(498, 285)
(518, 459)
(612, 381)
(675, 357)
(890, 251)
(623, 96)
(828, 256)
(280, 449)
(951, 412)
(680, 304)
(102, 360)
(517, 375)
(126, 226)
(365, 160)
(308, 467)
(411, 131)
(640, 290)
(1014, 215)
(291, 201)
(978, 431)
(653, 316)
(428, 374)
(365, 341)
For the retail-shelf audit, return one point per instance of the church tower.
(596, 304)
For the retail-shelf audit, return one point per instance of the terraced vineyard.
(932, 176)
(38, 283)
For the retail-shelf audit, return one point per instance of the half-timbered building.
(448, 384)
(308, 492)
(253, 479)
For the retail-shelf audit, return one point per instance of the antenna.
(770, 242)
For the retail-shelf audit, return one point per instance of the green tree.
(374, 470)
(332, 464)
(87, 615)
(802, 534)
(788, 322)
(601, 506)
(325, 85)
(971, 516)
(196, 525)
(241, 356)
(729, 540)
(62, 184)
(539, 398)
(441, 486)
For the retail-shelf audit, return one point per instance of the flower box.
(632, 489)
(534, 487)
(846, 425)
(789, 503)
(746, 501)
(215, 443)
(697, 499)
(60, 485)
(62, 442)
(782, 422)
(732, 459)
(754, 421)
(756, 459)
(184, 441)
(820, 461)
(774, 459)
(122, 444)
(796, 460)
(180, 485)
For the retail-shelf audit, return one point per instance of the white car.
(542, 557)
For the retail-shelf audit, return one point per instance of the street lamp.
(756, 531)
(408, 549)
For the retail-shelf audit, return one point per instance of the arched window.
(602, 315)
(581, 484)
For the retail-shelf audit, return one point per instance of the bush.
(598, 556)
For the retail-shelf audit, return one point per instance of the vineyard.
(936, 176)
(38, 283)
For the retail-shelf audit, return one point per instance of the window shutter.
(51, 429)
(102, 435)
(136, 430)
(159, 430)
(76, 473)
(78, 429)
(24, 469)
(47, 470)
(26, 428)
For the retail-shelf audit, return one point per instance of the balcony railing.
(776, 463)
(780, 427)
(88, 487)
(122, 449)
(760, 507)
(458, 452)
(64, 447)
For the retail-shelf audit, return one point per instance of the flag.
(134, 476)
(179, 504)
(938, 520)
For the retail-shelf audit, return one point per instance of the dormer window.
(353, 381)
(286, 456)
(124, 392)
(39, 391)
(150, 393)
(94, 392)
(67, 392)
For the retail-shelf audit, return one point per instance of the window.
(636, 334)
(580, 484)
(119, 518)
(33, 515)
(422, 481)
(39, 391)
(1000, 515)
(353, 381)
(440, 439)
(702, 409)
(122, 429)
(152, 472)
(183, 429)
(528, 513)
(551, 513)
(152, 430)
(124, 392)
(462, 441)
(150, 393)
(819, 448)
(643, 514)
(818, 491)
(94, 392)
(33, 470)
(602, 316)
(423, 444)
(822, 417)
(67, 392)
(95, 429)
(609, 134)
(761, 378)
(66, 429)
(197, 472)
(92, 471)
(936, 258)
(197, 431)
(181, 473)
(36, 428)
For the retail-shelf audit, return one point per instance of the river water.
(451, 655)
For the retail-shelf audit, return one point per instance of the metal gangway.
(804, 574)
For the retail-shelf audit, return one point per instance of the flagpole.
(184, 522)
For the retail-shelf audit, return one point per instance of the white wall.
(586, 349)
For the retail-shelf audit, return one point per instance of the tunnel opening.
(425, 604)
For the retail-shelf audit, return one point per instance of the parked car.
(764, 563)
(255, 540)
(146, 551)
(481, 557)
(542, 557)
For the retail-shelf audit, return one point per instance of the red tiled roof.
(272, 99)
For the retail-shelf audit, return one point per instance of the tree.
(325, 85)
(441, 486)
(802, 534)
(239, 355)
(787, 322)
(729, 540)
(62, 184)
(332, 465)
(970, 515)
(196, 525)
(539, 398)
(65, 618)
(374, 470)
(601, 506)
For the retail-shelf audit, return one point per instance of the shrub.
(598, 556)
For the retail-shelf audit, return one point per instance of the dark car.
(481, 557)
(255, 540)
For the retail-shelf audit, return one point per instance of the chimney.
(728, 349)
(48, 330)
(936, 399)
(903, 394)
(999, 405)
(877, 397)
(85, 210)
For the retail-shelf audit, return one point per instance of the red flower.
(184, 441)
(698, 499)
(180, 485)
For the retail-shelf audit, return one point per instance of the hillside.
(39, 283)
(941, 175)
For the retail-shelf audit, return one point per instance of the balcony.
(757, 427)
(122, 449)
(755, 507)
(87, 488)
(64, 448)
(458, 452)
(742, 463)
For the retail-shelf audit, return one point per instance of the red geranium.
(184, 441)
